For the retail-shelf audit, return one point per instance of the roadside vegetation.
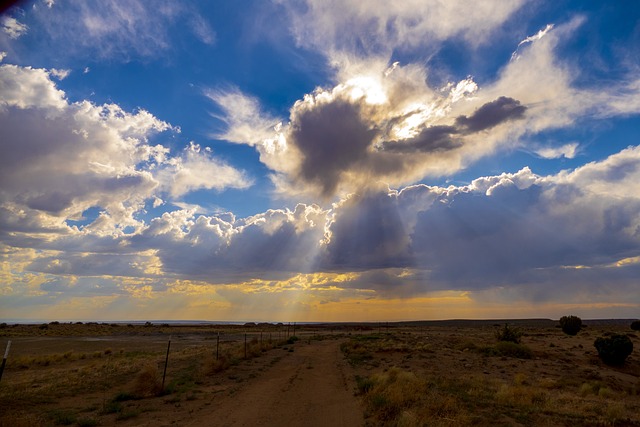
(483, 377)
(102, 384)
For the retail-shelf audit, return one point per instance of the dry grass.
(410, 376)
(147, 382)
(116, 382)
(449, 378)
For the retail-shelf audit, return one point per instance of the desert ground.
(398, 374)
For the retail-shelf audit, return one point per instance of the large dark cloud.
(492, 114)
(430, 139)
(368, 232)
(330, 137)
(449, 137)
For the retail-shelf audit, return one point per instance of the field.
(405, 374)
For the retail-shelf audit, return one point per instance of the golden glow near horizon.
(304, 298)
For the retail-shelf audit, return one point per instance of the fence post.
(218, 345)
(4, 359)
(166, 362)
(245, 345)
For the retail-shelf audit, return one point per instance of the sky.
(319, 160)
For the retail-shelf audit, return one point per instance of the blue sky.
(319, 160)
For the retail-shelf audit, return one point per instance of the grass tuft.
(147, 382)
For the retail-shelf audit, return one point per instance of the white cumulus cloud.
(60, 158)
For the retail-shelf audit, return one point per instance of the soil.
(311, 387)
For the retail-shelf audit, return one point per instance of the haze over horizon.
(319, 160)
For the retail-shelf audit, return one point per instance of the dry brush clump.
(508, 334)
(147, 382)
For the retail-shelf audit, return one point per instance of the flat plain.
(404, 374)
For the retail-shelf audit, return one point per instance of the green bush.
(508, 334)
(613, 350)
(635, 325)
(570, 325)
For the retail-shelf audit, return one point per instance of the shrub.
(364, 384)
(219, 364)
(508, 334)
(511, 349)
(147, 382)
(635, 325)
(123, 396)
(570, 325)
(613, 350)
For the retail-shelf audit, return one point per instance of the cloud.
(510, 230)
(349, 26)
(387, 124)
(516, 235)
(245, 121)
(449, 137)
(59, 74)
(492, 114)
(505, 230)
(334, 139)
(430, 139)
(59, 159)
(540, 34)
(276, 243)
(12, 27)
(197, 169)
(202, 29)
(120, 29)
(558, 101)
(568, 151)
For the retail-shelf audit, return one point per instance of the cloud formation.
(61, 158)
(505, 230)
(379, 27)
(388, 124)
(444, 137)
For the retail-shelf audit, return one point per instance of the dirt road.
(312, 386)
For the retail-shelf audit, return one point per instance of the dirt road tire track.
(313, 386)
